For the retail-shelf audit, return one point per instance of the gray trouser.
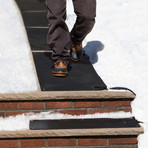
(59, 38)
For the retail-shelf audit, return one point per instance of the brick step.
(68, 102)
(72, 102)
(72, 138)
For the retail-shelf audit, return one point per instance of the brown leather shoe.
(60, 69)
(76, 52)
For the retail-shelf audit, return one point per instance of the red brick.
(8, 105)
(31, 105)
(116, 103)
(128, 140)
(15, 113)
(87, 104)
(2, 114)
(9, 143)
(130, 146)
(61, 142)
(33, 143)
(74, 112)
(108, 147)
(102, 111)
(92, 141)
(59, 104)
(126, 110)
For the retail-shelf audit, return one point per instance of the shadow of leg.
(91, 50)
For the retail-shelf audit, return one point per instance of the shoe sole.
(76, 60)
(59, 75)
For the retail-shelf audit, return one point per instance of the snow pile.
(122, 32)
(17, 73)
(21, 122)
(119, 54)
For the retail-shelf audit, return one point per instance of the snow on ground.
(17, 73)
(122, 32)
(117, 47)
(21, 122)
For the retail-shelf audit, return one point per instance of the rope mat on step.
(82, 75)
(83, 123)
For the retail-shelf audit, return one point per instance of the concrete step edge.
(62, 95)
(71, 132)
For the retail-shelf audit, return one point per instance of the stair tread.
(62, 95)
(71, 132)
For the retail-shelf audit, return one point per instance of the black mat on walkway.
(31, 5)
(83, 123)
(38, 19)
(82, 76)
(38, 38)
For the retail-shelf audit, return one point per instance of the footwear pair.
(61, 67)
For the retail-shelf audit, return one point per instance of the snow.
(118, 52)
(21, 122)
(17, 72)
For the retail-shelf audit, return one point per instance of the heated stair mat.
(37, 19)
(31, 5)
(83, 123)
(82, 75)
(38, 38)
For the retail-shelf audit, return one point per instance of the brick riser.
(105, 142)
(74, 103)
(73, 107)
(75, 142)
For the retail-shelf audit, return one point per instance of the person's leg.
(86, 13)
(58, 35)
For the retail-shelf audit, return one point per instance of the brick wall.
(73, 107)
(75, 142)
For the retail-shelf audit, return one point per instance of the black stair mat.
(38, 38)
(83, 123)
(31, 5)
(82, 75)
(37, 19)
